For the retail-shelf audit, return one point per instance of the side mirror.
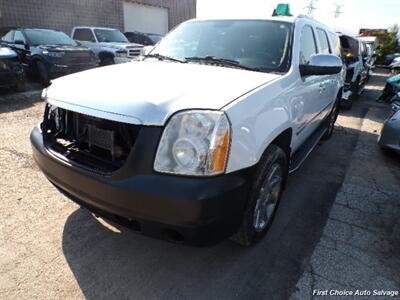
(22, 43)
(19, 42)
(146, 50)
(322, 64)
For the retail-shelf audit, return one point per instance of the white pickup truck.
(109, 44)
(194, 143)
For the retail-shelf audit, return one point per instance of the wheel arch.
(102, 54)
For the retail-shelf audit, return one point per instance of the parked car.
(48, 53)
(111, 46)
(11, 71)
(390, 57)
(391, 90)
(395, 66)
(145, 39)
(354, 57)
(194, 143)
(390, 134)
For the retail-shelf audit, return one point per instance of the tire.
(106, 60)
(264, 196)
(330, 121)
(43, 73)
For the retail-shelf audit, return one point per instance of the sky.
(355, 14)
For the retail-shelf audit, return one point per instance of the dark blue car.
(11, 70)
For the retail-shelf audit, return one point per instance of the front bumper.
(121, 60)
(195, 211)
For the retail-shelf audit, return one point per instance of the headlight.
(194, 143)
(53, 54)
(44, 94)
(121, 54)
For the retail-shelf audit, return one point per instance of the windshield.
(257, 44)
(110, 36)
(48, 37)
(155, 38)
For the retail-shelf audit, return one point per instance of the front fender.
(256, 120)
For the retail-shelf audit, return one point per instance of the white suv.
(194, 143)
(109, 44)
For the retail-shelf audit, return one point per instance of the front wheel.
(264, 196)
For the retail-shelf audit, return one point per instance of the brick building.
(154, 16)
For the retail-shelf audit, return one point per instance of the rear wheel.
(264, 196)
(331, 120)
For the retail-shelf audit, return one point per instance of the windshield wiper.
(221, 61)
(164, 57)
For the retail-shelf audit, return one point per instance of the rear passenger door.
(327, 82)
(307, 103)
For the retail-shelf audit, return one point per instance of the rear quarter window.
(323, 41)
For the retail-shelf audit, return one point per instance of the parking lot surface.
(337, 227)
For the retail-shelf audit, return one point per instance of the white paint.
(260, 106)
(145, 18)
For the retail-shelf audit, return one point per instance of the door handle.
(321, 88)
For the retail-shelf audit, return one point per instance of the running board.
(304, 151)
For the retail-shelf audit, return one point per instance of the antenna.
(338, 10)
(310, 7)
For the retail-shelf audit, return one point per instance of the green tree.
(387, 42)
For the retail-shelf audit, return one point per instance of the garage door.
(144, 18)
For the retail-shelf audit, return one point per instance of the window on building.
(307, 45)
(83, 34)
(323, 41)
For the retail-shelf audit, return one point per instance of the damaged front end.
(96, 144)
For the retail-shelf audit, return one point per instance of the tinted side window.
(8, 36)
(18, 36)
(83, 35)
(307, 45)
(323, 41)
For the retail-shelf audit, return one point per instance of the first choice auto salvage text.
(344, 293)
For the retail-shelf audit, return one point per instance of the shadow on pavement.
(127, 265)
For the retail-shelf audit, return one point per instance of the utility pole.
(338, 10)
(311, 7)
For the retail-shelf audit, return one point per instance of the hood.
(149, 92)
(7, 53)
(121, 45)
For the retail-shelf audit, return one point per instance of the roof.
(291, 19)
(94, 27)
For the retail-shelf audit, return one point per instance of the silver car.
(390, 134)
